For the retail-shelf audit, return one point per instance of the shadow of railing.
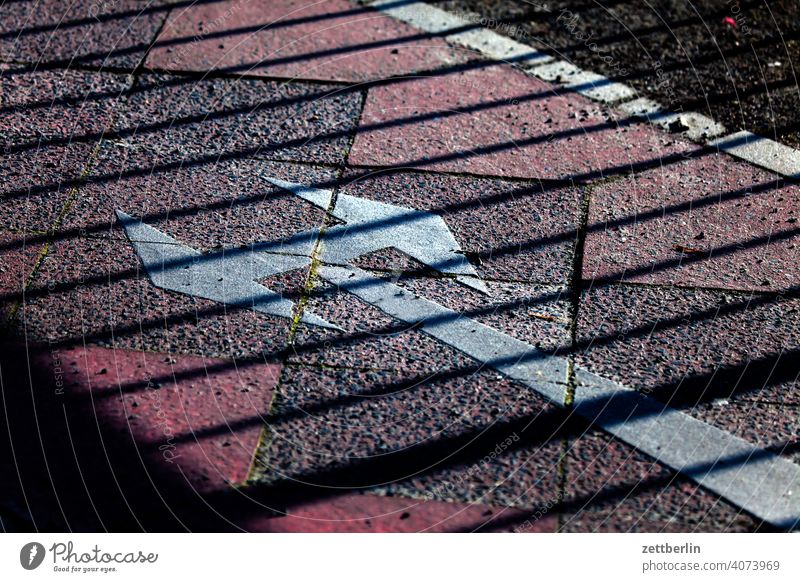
(99, 18)
(219, 509)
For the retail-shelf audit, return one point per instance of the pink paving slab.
(17, 258)
(709, 221)
(333, 40)
(496, 120)
(197, 417)
(355, 513)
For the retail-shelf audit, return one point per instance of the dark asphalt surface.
(731, 59)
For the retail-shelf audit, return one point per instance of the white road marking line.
(419, 14)
(762, 483)
(514, 358)
(592, 85)
(499, 47)
(762, 152)
(695, 126)
(752, 478)
(485, 41)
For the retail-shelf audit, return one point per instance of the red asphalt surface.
(648, 259)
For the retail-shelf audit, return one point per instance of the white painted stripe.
(752, 478)
(423, 16)
(556, 72)
(485, 41)
(600, 88)
(514, 358)
(642, 107)
(756, 480)
(499, 47)
(695, 126)
(761, 151)
(592, 85)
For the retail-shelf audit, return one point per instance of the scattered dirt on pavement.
(730, 59)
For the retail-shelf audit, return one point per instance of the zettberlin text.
(671, 549)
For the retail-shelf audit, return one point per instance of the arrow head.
(227, 277)
(371, 226)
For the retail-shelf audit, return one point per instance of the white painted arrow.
(755, 479)
(230, 276)
(225, 277)
(372, 226)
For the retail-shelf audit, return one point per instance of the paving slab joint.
(260, 77)
(56, 226)
(261, 454)
(260, 460)
(561, 484)
(323, 366)
(140, 65)
(575, 289)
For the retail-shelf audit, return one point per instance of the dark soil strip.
(733, 60)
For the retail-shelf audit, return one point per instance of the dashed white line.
(695, 126)
(437, 21)
(762, 152)
(592, 85)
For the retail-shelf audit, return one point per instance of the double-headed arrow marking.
(750, 477)
(230, 276)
